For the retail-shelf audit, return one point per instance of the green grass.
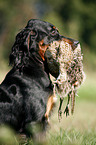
(73, 137)
(79, 128)
(76, 129)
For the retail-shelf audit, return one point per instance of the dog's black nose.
(76, 43)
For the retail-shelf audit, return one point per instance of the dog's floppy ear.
(20, 50)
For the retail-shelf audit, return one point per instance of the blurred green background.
(75, 19)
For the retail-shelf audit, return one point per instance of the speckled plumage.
(70, 67)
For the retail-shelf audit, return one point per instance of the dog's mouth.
(43, 47)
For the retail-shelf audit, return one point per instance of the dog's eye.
(53, 32)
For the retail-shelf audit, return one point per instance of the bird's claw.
(66, 111)
(60, 115)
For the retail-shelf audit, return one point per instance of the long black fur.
(27, 86)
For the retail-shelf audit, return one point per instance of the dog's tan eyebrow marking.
(54, 27)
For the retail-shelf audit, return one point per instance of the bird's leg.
(72, 101)
(59, 110)
(66, 111)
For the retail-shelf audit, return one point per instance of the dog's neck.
(33, 67)
(33, 63)
(36, 72)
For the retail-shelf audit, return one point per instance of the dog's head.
(32, 42)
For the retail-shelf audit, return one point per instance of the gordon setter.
(26, 94)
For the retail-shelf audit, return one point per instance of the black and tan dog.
(26, 94)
